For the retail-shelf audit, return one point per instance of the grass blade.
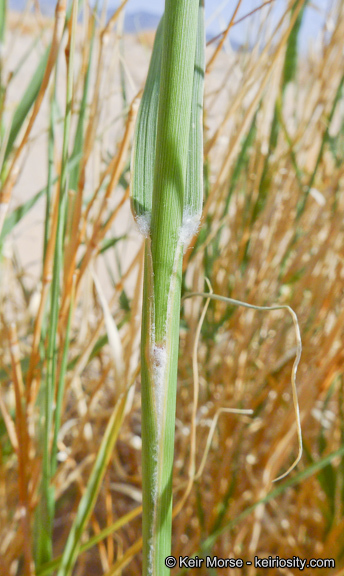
(27, 102)
(89, 498)
(144, 146)
(54, 564)
(209, 542)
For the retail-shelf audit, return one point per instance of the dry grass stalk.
(244, 359)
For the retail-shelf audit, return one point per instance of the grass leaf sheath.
(167, 205)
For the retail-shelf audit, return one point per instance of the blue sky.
(219, 12)
(312, 24)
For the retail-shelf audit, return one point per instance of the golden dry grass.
(258, 244)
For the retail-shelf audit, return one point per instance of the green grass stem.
(167, 206)
(45, 513)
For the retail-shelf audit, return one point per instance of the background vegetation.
(70, 302)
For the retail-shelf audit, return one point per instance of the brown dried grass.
(244, 357)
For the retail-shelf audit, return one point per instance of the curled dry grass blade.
(212, 296)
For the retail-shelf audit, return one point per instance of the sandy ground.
(27, 239)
